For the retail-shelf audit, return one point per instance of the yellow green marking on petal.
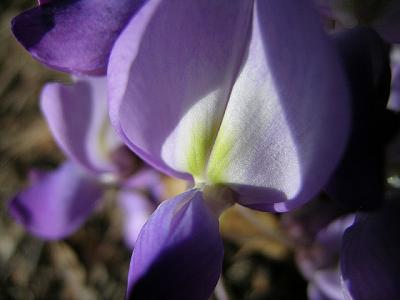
(199, 149)
(220, 157)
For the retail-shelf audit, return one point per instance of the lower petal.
(179, 252)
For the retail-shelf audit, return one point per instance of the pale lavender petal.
(78, 119)
(394, 100)
(136, 208)
(148, 180)
(74, 35)
(287, 120)
(170, 76)
(57, 204)
(358, 182)
(370, 260)
(328, 283)
(230, 101)
(179, 252)
(323, 252)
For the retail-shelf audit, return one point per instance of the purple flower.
(370, 263)
(58, 202)
(394, 100)
(358, 182)
(247, 99)
(74, 35)
(319, 261)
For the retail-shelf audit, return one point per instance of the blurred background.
(93, 263)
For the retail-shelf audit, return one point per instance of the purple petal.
(77, 117)
(147, 180)
(179, 252)
(394, 100)
(286, 122)
(358, 182)
(326, 285)
(232, 96)
(136, 208)
(370, 260)
(74, 35)
(176, 58)
(57, 204)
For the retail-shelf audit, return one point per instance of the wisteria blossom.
(248, 114)
(250, 102)
(358, 182)
(74, 36)
(58, 202)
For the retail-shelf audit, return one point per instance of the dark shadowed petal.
(74, 35)
(358, 182)
(286, 122)
(57, 203)
(388, 23)
(136, 208)
(179, 252)
(78, 119)
(370, 260)
(170, 76)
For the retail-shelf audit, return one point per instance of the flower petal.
(358, 182)
(370, 260)
(74, 35)
(286, 122)
(136, 208)
(179, 252)
(77, 117)
(262, 142)
(170, 75)
(57, 203)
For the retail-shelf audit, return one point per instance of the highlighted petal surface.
(214, 90)
(179, 252)
(170, 75)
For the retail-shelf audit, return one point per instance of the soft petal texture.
(323, 252)
(57, 203)
(146, 180)
(358, 182)
(173, 68)
(326, 285)
(74, 35)
(238, 106)
(139, 196)
(77, 117)
(179, 252)
(370, 261)
(318, 259)
(394, 100)
(136, 208)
